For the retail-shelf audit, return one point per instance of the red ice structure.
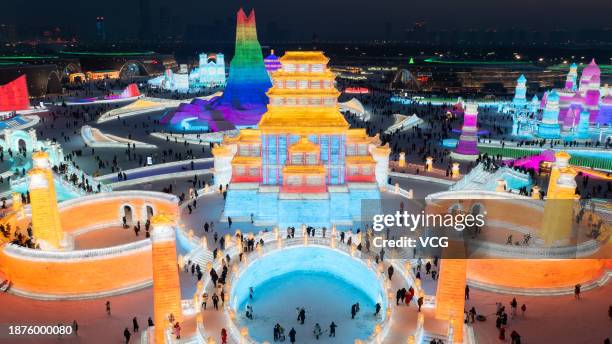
(130, 91)
(14, 95)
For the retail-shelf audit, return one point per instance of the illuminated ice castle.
(566, 112)
(303, 165)
(244, 98)
(209, 73)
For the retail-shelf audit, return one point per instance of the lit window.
(303, 68)
(243, 150)
(289, 67)
(240, 170)
(303, 84)
(254, 171)
(350, 149)
(311, 159)
(297, 159)
(317, 67)
(315, 84)
(290, 84)
(294, 180)
(363, 150)
(313, 180)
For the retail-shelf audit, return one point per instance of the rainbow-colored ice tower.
(248, 79)
(468, 141)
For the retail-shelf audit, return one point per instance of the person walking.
(127, 335)
(513, 307)
(108, 308)
(390, 272)
(135, 325)
(332, 329)
(204, 300)
(215, 300)
(577, 288)
(377, 309)
(75, 327)
(467, 292)
(317, 331)
(292, 335)
(177, 330)
(223, 336)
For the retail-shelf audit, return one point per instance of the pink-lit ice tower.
(468, 141)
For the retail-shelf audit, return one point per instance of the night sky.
(329, 19)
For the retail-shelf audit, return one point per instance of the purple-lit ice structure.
(244, 99)
(468, 141)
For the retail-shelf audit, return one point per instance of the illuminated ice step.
(340, 205)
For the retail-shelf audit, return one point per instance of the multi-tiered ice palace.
(303, 164)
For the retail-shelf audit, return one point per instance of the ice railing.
(583, 249)
(82, 176)
(18, 251)
(63, 180)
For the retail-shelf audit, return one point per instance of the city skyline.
(323, 20)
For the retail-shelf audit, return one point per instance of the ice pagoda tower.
(303, 165)
(520, 93)
(248, 79)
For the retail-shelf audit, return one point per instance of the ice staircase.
(474, 180)
(200, 256)
(480, 179)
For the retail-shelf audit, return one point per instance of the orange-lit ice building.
(302, 165)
